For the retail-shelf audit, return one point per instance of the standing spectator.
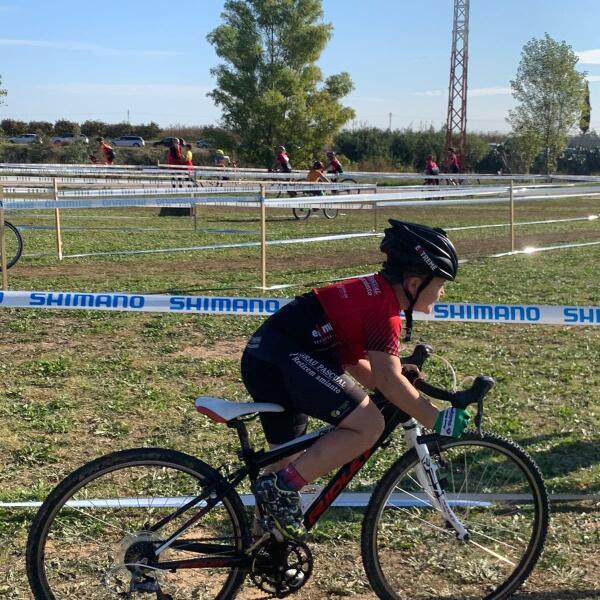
(282, 161)
(174, 156)
(335, 166)
(431, 168)
(188, 155)
(453, 161)
(105, 152)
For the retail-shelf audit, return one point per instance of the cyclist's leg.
(320, 388)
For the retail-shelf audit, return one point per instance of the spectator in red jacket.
(431, 168)
(453, 161)
(174, 156)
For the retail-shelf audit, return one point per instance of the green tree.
(13, 127)
(269, 87)
(63, 127)
(549, 93)
(40, 127)
(586, 111)
(3, 93)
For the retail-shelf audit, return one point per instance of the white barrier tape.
(304, 240)
(346, 500)
(235, 305)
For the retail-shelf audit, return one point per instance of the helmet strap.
(408, 313)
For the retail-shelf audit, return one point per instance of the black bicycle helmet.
(413, 249)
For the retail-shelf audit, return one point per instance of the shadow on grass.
(560, 595)
(567, 457)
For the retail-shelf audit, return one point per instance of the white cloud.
(146, 90)
(490, 91)
(84, 47)
(589, 57)
(429, 93)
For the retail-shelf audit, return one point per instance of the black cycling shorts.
(285, 370)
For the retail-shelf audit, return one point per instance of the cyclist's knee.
(367, 422)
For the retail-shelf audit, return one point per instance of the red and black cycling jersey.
(364, 314)
(335, 166)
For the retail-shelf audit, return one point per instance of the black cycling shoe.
(282, 507)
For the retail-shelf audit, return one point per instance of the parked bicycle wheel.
(497, 492)
(13, 243)
(92, 537)
(302, 213)
(330, 213)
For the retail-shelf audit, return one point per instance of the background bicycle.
(329, 213)
(451, 518)
(13, 243)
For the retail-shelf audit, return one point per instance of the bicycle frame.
(255, 461)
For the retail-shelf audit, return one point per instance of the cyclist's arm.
(361, 371)
(388, 379)
(324, 179)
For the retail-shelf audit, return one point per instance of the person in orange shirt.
(316, 175)
(106, 153)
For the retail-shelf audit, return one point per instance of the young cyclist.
(335, 166)
(220, 159)
(314, 354)
(282, 160)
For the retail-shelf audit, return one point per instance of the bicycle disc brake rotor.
(281, 569)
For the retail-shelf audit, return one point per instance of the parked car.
(205, 144)
(165, 142)
(26, 138)
(69, 138)
(129, 141)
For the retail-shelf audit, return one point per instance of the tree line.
(273, 93)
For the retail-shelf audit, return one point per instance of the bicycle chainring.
(281, 568)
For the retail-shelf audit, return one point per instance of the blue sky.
(80, 60)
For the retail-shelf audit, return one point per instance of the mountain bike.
(13, 242)
(329, 213)
(451, 518)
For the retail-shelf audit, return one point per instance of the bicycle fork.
(427, 474)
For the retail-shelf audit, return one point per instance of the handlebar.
(461, 399)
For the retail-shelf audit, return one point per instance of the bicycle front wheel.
(497, 492)
(13, 243)
(330, 213)
(301, 213)
(94, 533)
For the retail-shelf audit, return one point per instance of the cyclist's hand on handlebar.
(452, 422)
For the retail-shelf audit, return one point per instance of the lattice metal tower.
(456, 123)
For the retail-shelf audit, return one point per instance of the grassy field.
(78, 384)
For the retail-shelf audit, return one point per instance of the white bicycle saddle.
(223, 411)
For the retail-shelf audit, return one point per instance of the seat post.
(246, 449)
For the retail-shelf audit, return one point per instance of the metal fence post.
(3, 243)
(263, 237)
(512, 217)
(59, 249)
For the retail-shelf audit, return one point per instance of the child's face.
(430, 295)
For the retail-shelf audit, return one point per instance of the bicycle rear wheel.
(494, 488)
(93, 534)
(13, 243)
